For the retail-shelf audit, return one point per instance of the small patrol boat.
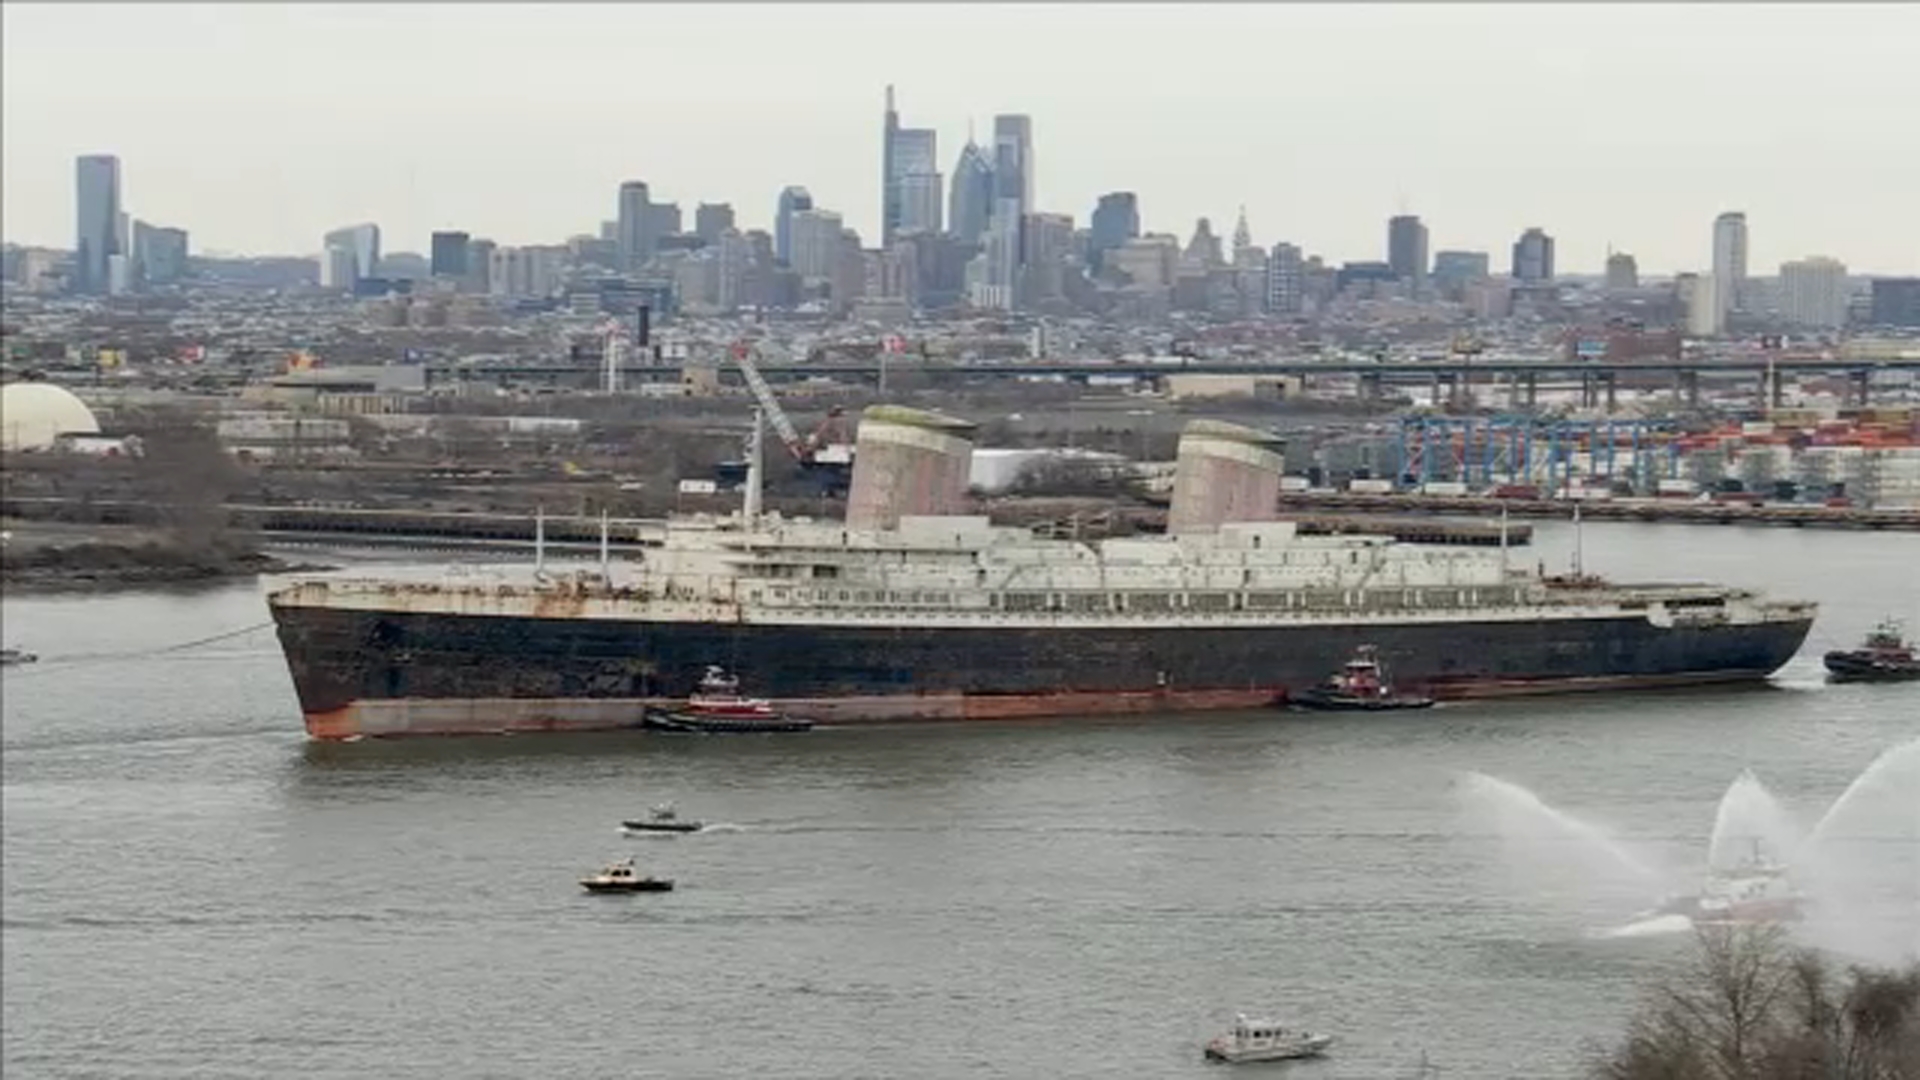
(1361, 686)
(663, 819)
(1886, 656)
(1259, 1039)
(716, 708)
(621, 877)
(9, 657)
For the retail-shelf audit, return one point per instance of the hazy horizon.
(258, 128)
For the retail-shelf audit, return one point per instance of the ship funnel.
(908, 462)
(1224, 473)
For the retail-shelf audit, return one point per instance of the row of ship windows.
(1156, 602)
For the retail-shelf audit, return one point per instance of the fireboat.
(1362, 685)
(1756, 891)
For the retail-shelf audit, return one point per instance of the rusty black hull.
(380, 673)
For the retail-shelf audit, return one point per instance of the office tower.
(1729, 262)
(159, 255)
(1694, 294)
(479, 274)
(1284, 292)
(362, 242)
(97, 204)
(712, 219)
(1454, 270)
(816, 236)
(1813, 292)
(1013, 168)
(1896, 301)
(663, 220)
(448, 254)
(1407, 248)
(1533, 257)
(1204, 246)
(793, 200)
(1622, 271)
(970, 203)
(1116, 220)
(337, 271)
(632, 225)
(1244, 253)
(909, 177)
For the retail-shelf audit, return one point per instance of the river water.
(192, 889)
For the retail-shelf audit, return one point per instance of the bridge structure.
(1599, 381)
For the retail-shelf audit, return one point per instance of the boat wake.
(1658, 926)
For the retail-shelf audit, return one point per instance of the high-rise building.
(1284, 292)
(632, 225)
(1204, 246)
(663, 220)
(712, 219)
(524, 271)
(793, 200)
(479, 275)
(1244, 253)
(1896, 301)
(99, 235)
(1013, 168)
(909, 169)
(1533, 256)
(1453, 271)
(970, 202)
(159, 254)
(1116, 220)
(816, 236)
(337, 270)
(1729, 263)
(448, 254)
(1622, 271)
(1694, 294)
(1813, 292)
(363, 241)
(1407, 248)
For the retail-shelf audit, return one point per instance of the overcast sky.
(257, 127)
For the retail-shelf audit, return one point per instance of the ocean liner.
(912, 609)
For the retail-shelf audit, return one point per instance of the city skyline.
(821, 134)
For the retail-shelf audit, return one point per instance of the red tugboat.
(1884, 657)
(1361, 686)
(717, 708)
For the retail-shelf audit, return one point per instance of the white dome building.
(34, 414)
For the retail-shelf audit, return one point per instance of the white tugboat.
(1252, 1039)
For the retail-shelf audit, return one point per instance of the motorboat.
(1755, 891)
(1885, 656)
(1259, 1039)
(663, 819)
(621, 877)
(9, 657)
(717, 707)
(1362, 685)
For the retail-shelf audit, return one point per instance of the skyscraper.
(1284, 292)
(1622, 271)
(909, 171)
(712, 219)
(1813, 292)
(1013, 167)
(448, 254)
(1729, 262)
(632, 225)
(1533, 256)
(970, 204)
(1407, 248)
(159, 254)
(1116, 220)
(98, 236)
(793, 200)
(816, 237)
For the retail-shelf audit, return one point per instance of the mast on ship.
(750, 511)
(539, 540)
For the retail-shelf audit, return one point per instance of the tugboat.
(9, 657)
(1757, 891)
(1263, 1040)
(663, 819)
(1884, 657)
(717, 708)
(1361, 686)
(621, 877)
